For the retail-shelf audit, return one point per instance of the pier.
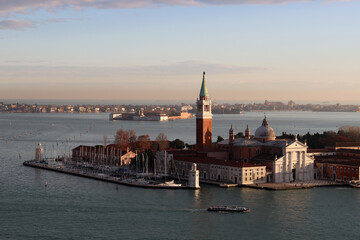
(96, 176)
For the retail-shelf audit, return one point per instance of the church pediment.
(296, 144)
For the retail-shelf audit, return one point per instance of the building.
(203, 119)
(286, 161)
(212, 169)
(213, 164)
(249, 160)
(343, 165)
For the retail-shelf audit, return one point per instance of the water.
(77, 208)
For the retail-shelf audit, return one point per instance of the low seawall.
(104, 178)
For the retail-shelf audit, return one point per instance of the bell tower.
(203, 119)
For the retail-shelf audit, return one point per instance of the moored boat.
(170, 184)
(354, 184)
(228, 209)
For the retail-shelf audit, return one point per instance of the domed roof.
(264, 131)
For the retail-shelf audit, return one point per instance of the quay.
(117, 180)
(297, 185)
(97, 176)
(278, 186)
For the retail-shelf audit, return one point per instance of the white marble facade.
(294, 165)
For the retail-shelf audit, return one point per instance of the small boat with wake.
(228, 209)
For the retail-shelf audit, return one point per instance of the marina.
(134, 182)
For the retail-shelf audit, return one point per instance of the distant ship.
(139, 117)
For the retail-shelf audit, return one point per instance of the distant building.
(186, 108)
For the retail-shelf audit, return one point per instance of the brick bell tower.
(203, 119)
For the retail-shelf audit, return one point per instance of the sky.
(156, 50)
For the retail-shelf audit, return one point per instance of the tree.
(143, 143)
(125, 139)
(239, 135)
(177, 144)
(219, 139)
(132, 138)
(122, 138)
(162, 141)
(351, 132)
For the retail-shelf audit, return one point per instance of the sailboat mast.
(165, 164)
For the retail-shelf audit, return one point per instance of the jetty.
(99, 176)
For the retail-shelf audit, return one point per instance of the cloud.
(8, 7)
(15, 24)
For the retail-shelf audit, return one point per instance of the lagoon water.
(71, 207)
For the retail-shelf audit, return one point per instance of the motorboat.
(228, 209)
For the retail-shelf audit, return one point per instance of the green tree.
(219, 139)
(177, 144)
(239, 135)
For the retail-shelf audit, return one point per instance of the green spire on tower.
(203, 90)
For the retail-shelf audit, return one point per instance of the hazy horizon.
(152, 102)
(278, 50)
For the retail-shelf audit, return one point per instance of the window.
(207, 108)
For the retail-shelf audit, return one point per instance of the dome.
(264, 132)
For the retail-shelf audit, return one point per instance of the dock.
(296, 185)
(97, 176)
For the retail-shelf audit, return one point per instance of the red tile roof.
(240, 164)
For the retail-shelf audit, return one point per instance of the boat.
(354, 184)
(170, 184)
(228, 185)
(228, 209)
